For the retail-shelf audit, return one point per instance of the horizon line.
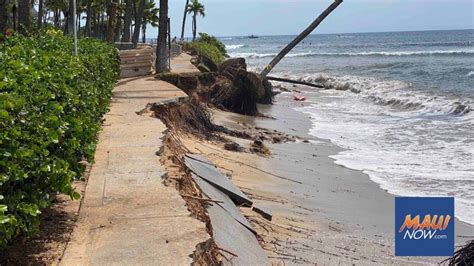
(341, 33)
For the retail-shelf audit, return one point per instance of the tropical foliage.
(129, 17)
(209, 46)
(51, 106)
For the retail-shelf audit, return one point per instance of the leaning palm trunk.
(24, 16)
(184, 19)
(162, 63)
(138, 22)
(299, 38)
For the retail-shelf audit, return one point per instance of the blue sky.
(280, 17)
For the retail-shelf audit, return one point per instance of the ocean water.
(401, 104)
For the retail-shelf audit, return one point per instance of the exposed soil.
(193, 120)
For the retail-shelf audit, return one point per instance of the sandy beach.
(323, 213)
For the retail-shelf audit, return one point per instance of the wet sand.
(328, 214)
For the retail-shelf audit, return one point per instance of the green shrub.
(51, 107)
(209, 46)
(208, 50)
(206, 38)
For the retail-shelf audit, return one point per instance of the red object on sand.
(299, 98)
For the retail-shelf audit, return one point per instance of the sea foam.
(234, 46)
(410, 142)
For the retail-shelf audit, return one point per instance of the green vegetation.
(206, 38)
(51, 107)
(209, 46)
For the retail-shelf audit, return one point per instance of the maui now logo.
(424, 226)
(428, 229)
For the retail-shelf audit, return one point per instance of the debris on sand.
(259, 148)
(463, 256)
(190, 117)
(299, 98)
(233, 146)
(265, 213)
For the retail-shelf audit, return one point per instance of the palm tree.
(127, 20)
(196, 9)
(299, 38)
(112, 12)
(184, 19)
(162, 63)
(138, 21)
(150, 17)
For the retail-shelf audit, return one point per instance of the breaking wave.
(374, 53)
(397, 94)
(411, 142)
(470, 74)
(235, 46)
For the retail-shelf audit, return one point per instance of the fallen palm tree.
(295, 82)
(230, 88)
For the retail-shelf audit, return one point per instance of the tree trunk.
(88, 18)
(3, 15)
(70, 18)
(24, 16)
(299, 38)
(14, 17)
(194, 27)
(112, 21)
(162, 64)
(128, 20)
(184, 20)
(56, 18)
(40, 13)
(78, 19)
(118, 27)
(144, 33)
(101, 26)
(138, 21)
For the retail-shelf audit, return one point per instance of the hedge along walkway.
(128, 216)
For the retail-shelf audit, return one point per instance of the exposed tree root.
(463, 256)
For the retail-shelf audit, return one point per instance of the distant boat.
(252, 37)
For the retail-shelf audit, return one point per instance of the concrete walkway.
(128, 217)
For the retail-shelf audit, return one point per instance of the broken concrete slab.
(230, 230)
(203, 168)
(264, 212)
(234, 239)
(223, 200)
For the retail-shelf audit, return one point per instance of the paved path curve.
(128, 217)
